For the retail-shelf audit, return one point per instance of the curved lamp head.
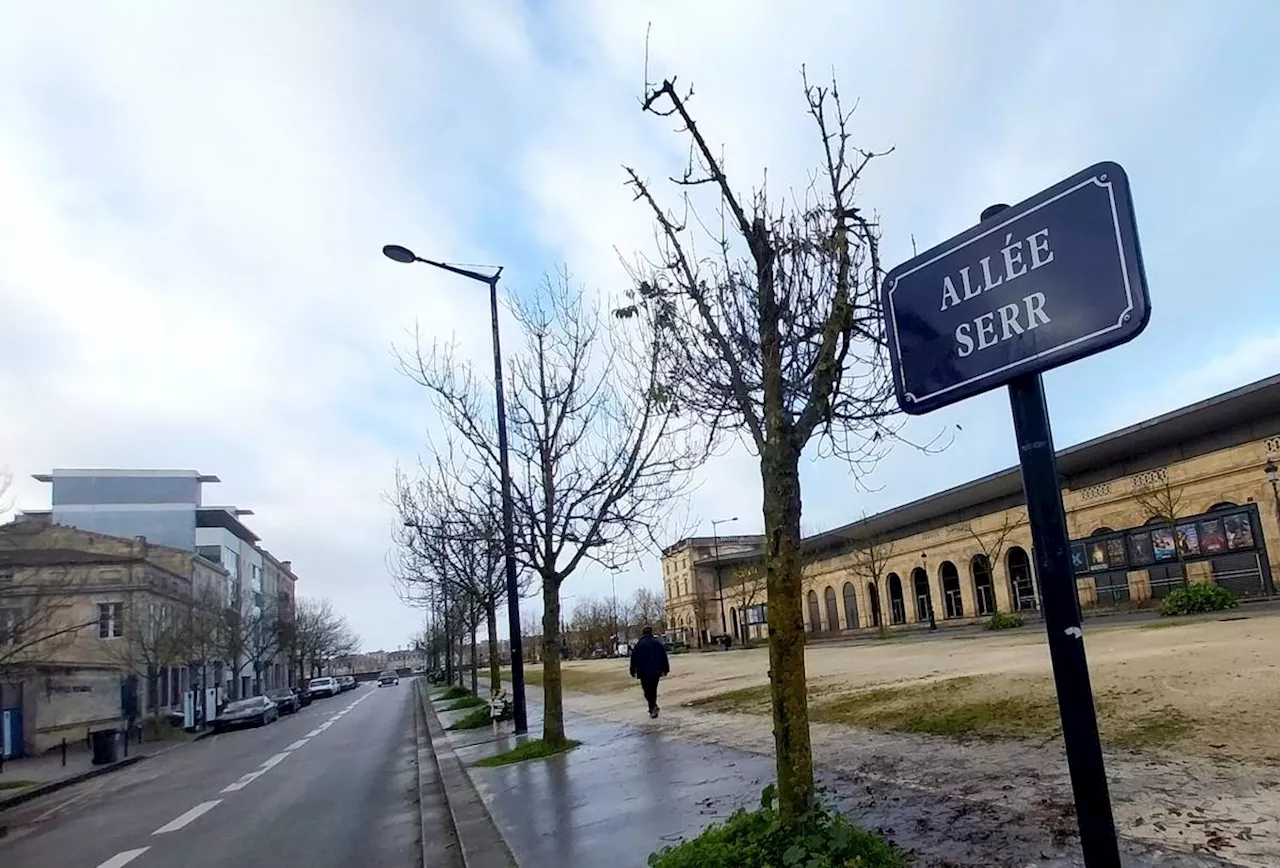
(398, 253)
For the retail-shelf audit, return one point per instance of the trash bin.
(104, 746)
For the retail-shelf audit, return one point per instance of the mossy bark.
(552, 691)
(495, 665)
(794, 754)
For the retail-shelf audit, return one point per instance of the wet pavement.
(629, 790)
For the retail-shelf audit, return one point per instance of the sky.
(193, 197)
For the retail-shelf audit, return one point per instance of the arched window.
(924, 597)
(952, 599)
(897, 605)
(815, 618)
(873, 598)
(1223, 506)
(850, 607)
(984, 591)
(1021, 581)
(1101, 531)
(833, 614)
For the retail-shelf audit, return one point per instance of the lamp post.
(1273, 476)
(928, 600)
(715, 542)
(403, 254)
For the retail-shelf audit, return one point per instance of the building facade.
(1190, 495)
(167, 507)
(93, 631)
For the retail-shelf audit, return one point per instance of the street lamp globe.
(398, 253)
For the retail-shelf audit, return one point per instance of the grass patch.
(468, 701)
(1160, 728)
(16, 785)
(583, 680)
(954, 707)
(479, 717)
(745, 700)
(536, 749)
(454, 692)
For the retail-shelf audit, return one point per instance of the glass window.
(109, 626)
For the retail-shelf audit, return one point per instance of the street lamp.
(404, 254)
(715, 540)
(928, 600)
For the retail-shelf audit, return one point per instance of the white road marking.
(314, 732)
(275, 760)
(299, 743)
(244, 781)
(189, 817)
(123, 858)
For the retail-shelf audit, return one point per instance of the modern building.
(167, 508)
(93, 630)
(1193, 493)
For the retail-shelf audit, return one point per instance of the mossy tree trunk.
(495, 665)
(552, 692)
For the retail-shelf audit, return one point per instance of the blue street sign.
(1045, 282)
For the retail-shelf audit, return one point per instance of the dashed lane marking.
(123, 858)
(189, 817)
(275, 760)
(244, 781)
(299, 743)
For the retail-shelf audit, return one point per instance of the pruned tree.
(599, 453)
(747, 587)
(320, 635)
(994, 540)
(1163, 500)
(154, 637)
(774, 332)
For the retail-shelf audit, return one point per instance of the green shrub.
(820, 839)
(1207, 597)
(454, 692)
(1004, 621)
(467, 701)
(479, 717)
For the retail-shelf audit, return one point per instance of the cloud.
(195, 196)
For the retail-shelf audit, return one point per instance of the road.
(332, 786)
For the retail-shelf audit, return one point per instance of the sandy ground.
(1213, 786)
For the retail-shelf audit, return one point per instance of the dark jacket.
(649, 658)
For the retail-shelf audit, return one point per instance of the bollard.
(64, 751)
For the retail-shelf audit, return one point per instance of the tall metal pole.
(519, 708)
(715, 543)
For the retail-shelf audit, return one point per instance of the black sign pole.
(1051, 545)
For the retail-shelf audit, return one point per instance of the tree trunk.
(552, 697)
(495, 665)
(475, 670)
(794, 756)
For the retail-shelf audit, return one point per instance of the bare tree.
(870, 564)
(599, 453)
(746, 588)
(649, 608)
(993, 541)
(1165, 501)
(774, 333)
(153, 629)
(320, 636)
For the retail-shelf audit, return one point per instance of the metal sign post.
(1045, 282)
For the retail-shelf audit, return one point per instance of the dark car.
(256, 711)
(346, 682)
(388, 677)
(285, 699)
(304, 695)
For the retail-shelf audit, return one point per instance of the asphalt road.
(332, 786)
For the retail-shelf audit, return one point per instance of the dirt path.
(1211, 785)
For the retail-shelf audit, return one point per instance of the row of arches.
(824, 614)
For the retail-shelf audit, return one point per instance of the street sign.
(1042, 283)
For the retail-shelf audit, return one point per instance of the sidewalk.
(46, 773)
(630, 790)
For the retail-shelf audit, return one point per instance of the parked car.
(304, 695)
(256, 711)
(324, 686)
(346, 682)
(285, 699)
(388, 677)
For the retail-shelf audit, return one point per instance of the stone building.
(1191, 493)
(91, 625)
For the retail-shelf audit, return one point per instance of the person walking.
(649, 663)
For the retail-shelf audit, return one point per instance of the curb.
(479, 840)
(53, 786)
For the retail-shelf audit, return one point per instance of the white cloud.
(195, 196)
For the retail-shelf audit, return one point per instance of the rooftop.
(99, 471)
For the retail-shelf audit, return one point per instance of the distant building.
(1191, 493)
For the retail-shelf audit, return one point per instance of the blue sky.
(195, 195)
